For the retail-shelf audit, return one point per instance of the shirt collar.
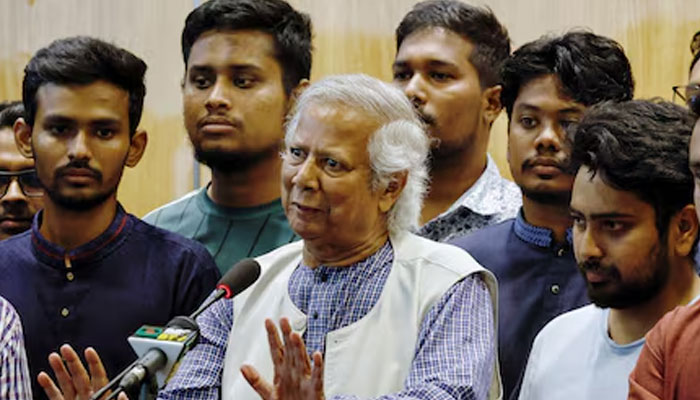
(478, 197)
(378, 258)
(541, 237)
(207, 205)
(94, 250)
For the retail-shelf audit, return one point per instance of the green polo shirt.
(230, 234)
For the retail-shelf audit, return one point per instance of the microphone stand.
(113, 383)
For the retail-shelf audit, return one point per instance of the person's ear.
(685, 229)
(136, 148)
(23, 137)
(491, 103)
(296, 92)
(392, 191)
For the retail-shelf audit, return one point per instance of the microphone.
(161, 348)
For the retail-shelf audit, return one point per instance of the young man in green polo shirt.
(245, 61)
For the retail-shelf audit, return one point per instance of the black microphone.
(236, 280)
(160, 348)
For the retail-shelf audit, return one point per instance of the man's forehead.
(7, 138)
(592, 195)
(546, 92)
(434, 44)
(232, 47)
(99, 99)
(318, 122)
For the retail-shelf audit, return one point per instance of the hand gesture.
(75, 383)
(294, 379)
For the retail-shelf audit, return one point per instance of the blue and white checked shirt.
(454, 354)
(15, 382)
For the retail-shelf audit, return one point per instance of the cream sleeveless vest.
(370, 357)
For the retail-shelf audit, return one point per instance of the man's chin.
(11, 228)
(547, 196)
(618, 298)
(79, 201)
(232, 161)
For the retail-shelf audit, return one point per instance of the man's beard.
(627, 294)
(232, 161)
(79, 203)
(554, 198)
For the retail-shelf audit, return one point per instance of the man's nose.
(415, 90)
(79, 147)
(13, 193)
(219, 97)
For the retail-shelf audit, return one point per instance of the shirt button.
(560, 252)
(299, 324)
(70, 276)
(324, 277)
(555, 289)
(315, 315)
(64, 312)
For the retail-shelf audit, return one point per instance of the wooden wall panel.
(350, 36)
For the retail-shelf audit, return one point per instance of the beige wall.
(350, 36)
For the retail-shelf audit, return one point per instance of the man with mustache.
(245, 63)
(447, 62)
(547, 84)
(20, 191)
(87, 272)
(635, 232)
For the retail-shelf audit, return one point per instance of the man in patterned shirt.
(447, 62)
(15, 383)
(380, 311)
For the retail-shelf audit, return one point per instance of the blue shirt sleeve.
(198, 278)
(199, 374)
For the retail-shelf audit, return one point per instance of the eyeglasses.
(27, 180)
(690, 94)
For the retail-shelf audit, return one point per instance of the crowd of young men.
(373, 177)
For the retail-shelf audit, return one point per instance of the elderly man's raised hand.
(74, 382)
(295, 378)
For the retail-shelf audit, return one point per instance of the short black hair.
(590, 68)
(82, 60)
(9, 112)
(290, 29)
(478, 25)
(640, 146)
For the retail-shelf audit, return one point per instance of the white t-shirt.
(574, 358)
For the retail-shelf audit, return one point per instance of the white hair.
(399, 145)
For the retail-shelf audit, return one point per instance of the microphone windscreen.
(240, 276)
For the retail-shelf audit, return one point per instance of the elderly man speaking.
(366, 309)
